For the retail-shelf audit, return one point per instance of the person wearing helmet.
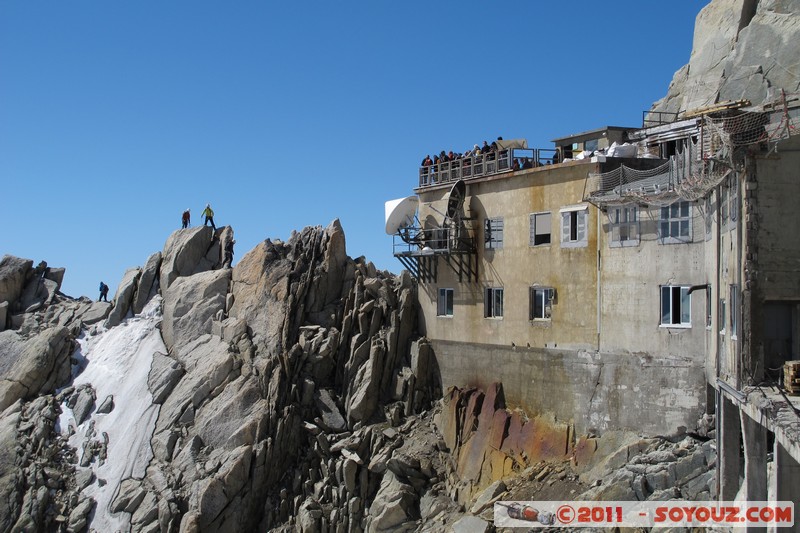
(186, 219)
(209, 214)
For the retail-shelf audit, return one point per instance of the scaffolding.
(702, 160)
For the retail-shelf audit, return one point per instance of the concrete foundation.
(593, 390)
(730, 451)
(787, 476)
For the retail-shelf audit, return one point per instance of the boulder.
(123, 297)
(329, 411)
(191, 303)
(471, 524)
(146, 287)
(393, 505)
(13, 273)
(366, 387)
(184, 254)
(94, 313)
(38, 291)
(56, 275)
(165, 372)
(33, 366)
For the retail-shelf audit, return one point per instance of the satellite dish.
(400, 213)
(455, 199)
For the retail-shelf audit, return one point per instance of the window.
(590, 146)
(721, 316)
(722, 192)
(708, 307)
(493, 233)
(675, 223)
(734, 311)
(624, 226)
(541, 307)
(676, 306)
(573, 226)
(709, 219)
(444, 306)
(733, 209)
(540, 229)
(493, 304)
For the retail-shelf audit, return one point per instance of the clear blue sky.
(117, 116)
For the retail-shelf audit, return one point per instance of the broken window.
(676, 223)
(493, 304)
(541, 303)
(573, 226)
(539, 229)
(444, 306)
(493, 233)
(624, 226)
(676, 306)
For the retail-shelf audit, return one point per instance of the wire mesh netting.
(702, 161)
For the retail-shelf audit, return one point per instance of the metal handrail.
(487, 164)
(658, 118)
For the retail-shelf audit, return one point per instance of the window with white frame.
(493, 303)
(676, 223)
(624, 226)
(540, 229)
(574, 226)
(444, 306)
(493, 233)
(676, 306)
(734, 311)
(541, 303)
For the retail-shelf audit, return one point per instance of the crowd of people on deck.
(476, 150)
(430, 166)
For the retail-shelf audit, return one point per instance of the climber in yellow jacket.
(209, 214)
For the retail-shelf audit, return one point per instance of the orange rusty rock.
(499, 429)
(545, 440)
(469, 416)
(584, 451)
(511, 444)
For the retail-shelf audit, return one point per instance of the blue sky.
(117, 116)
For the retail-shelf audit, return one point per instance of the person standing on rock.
(186, 219)
(103, 292)
(209, 214)
(229, 253)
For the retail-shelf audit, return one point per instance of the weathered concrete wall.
(630, 285)
(779, 243)
(599, 392)
(518, 266)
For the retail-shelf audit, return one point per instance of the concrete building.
(631, 278)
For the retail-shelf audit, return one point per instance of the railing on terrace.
(651, 119)
(485, 165)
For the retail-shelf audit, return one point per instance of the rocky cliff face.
(279, 393)
(742, 50)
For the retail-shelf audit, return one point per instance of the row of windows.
(676, 305)
(674, 226)
(573, 229)
(540, 308)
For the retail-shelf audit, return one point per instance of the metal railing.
(487, 164)
(658, 118)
